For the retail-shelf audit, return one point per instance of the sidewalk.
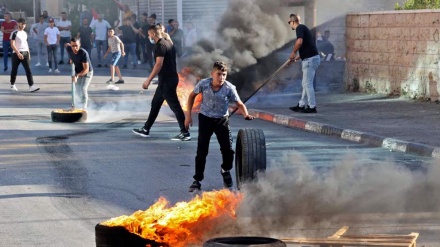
(395, 123)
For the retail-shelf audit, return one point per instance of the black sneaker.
(109, 81)
(120, 82)
(227, 179)
(142, 132)
(195, 186)
(182, 137)
(61, 62)
(297, 108)
(309, 110)
(99, 65)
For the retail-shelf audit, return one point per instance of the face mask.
(152, 41)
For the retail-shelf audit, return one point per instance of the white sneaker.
(47, 64)
(38, 64)
(14, 88)
(50, 70)
(139, 62)
(33, 88)
(57, 71)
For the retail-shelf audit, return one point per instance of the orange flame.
(187, 81)
(183, 224)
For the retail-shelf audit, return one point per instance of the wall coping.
(396, 12)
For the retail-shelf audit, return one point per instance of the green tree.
(418, 4)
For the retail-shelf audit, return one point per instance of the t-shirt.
(78, 59)
(114, 44)
(10, 25)
(40, 27)
(177, 38)
(100, 29)
(20, 38)
(308, 48)
(128, 35)
(52, 35)
(215, 104)
(66, 23)
(166, 50)
(84, 34)
(191, 37)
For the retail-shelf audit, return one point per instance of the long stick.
(73, 86)
(265, 82)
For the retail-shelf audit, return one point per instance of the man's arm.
(157, 67)
(85, 70)
(190, 104)
(240, 105)
(296, 47)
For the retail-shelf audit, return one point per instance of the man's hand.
(74, 79)
(249, 117)
(188, 121)
(146, 84)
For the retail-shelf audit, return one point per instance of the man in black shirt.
(129, 39)
(165, 68)
(85, 34)
(308, 53)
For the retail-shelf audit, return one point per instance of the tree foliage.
(418, 4)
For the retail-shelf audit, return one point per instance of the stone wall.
(393, 52)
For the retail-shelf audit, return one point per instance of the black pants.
(52, 52)
(166, 90)
(15, 62)
(208, 126)
(150, 48)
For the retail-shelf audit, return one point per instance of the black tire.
(244, 241)
(250, 154)
(68, 116)
(118, 236)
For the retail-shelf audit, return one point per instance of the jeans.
(101, 46)
(166, 90)
(6, 48)
(309, 67)
(15, 62)
(88, 48)
(52, 52)
(207, 127)
(41, 50)
(63, 40)
(130, 49)
(81, 87)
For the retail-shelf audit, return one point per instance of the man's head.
(189, 25)
(7, 16)
(45, 13)
(85, 22)
(51, 22)
(144, 17)
(21, 24)
(326, 35)
(219, 73)
(176, 24)
(63, 16)
(41, 20)
(75, 44)
(294, 21)
(128, 21)
(99, 17)
(170, 22)
(111, 32)
(155, 32)
(133, 17)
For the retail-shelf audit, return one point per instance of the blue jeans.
(6, 47)
(130, 49)
(101, 46)
(63, 40)
(309, 67)
(52, 52)
(81, 90)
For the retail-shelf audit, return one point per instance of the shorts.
(115, 58)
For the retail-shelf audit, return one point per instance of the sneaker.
(195, 186)
(99, 65)
(109, 81)
(124, 66)
(142, 132)
(33, 88)
(47, 64)
(105, 66)
(61, 62)
(57, 71)
(309, 110)
(50, 70)
(227, 179)
(120, 82)
(297, 108)
(5, 69)
(38, 64)
(182, 137)
(139, 62)
(14, 88)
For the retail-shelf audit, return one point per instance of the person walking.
(8, 26)
(308, 53)
(21, 55)
(165, 68)
(41, 46)
(100, 28)
(214, 119)
(64, 27)
(116, 48)
(83, 72)
(85, 34)
(52, 39)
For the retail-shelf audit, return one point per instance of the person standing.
(190, 38)
(165, 68)
(41, 46)
(85, 34)
(308, 53)
(129, 38)
(46, 16)
(100, 28)
(83, 72)
(214, 118)
(177, 37)
(150, 45)
(21, 55)
(64, 26)
(52, 39)
(8, 26)
(116, 48)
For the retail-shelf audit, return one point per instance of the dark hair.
(64, 13)
(220, 65)
(145, 14)
(170, 21)
(74, 39)
(21, 20)
(153, 16)
(295, 17)
(110, 28)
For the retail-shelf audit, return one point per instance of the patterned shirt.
(215, 104)
(114, 44)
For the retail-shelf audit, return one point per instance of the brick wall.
(392, 52)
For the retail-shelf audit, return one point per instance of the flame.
(187, 81)
(184, 223)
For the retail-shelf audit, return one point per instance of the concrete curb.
(347, 134)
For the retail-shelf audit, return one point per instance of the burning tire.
(118, 236)
(250, 156)
(244, 241)
(68, 116)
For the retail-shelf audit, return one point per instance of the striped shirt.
(20, 38)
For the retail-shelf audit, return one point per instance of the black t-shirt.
(177, 38)
(166, 50)
(78, 59)
(85, 33)
(128, 35)
(308, 47)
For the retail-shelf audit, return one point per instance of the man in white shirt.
(41, 46)
(52, 39)
(190, 38)
(64, 26)
(100, 28)
(21, 54)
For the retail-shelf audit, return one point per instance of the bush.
(418, 4)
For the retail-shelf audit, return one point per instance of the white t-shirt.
(52, 35)
(191, 37)
(100, 29)
(20, 38)
(65, 23)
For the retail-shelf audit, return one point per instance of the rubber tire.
(68, 117)
(250, 154)
(118, 236)
(244, 241)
